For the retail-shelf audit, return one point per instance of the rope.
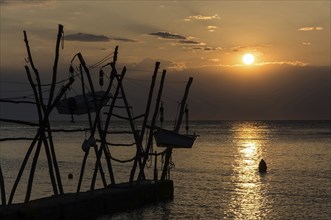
(103, 60)
(122, 161)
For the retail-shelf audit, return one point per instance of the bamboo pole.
(2, 189)
(150, 137)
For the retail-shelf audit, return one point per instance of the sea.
(217, 178)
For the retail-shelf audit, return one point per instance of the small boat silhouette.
(77, 105)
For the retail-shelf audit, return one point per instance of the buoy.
(262, 166)
(70, 176)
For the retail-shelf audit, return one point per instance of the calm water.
(216, 179)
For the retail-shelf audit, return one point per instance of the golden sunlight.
(248, 59)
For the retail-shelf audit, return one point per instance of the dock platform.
(91, 204)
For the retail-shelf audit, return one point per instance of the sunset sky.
(289, 40)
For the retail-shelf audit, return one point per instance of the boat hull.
(76, 105)
(165, 138)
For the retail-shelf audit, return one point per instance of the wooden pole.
(20, 172)
(182, 105)
(2, 189)
(53, 155)
(150, 137)
(82, 171)
(19, 122)
(90, 123)
(146, 115)
(42, 123)
(136, 136)
(33, 168)
(155, 168)
(56, 59)
(149, 101)
(97, 123)
(35, 71)
(103, 135)
(51, 161)
(166, 163)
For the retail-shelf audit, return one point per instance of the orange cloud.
(311, 29)
(201, 17)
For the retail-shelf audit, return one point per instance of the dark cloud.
(186, 41)
(86, 37)
(124, 39)
(179, 39)
(168, 35)
(94, 38)
(207, 49)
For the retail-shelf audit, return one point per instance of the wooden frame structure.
(98, 128)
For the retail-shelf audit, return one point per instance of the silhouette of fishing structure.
(139, 190)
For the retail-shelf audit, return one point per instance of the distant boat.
(166, 138)
(76, 105)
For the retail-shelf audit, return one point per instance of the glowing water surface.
(216, 179)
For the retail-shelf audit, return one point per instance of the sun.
(248, 59)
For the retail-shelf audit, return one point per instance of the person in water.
(262, 166)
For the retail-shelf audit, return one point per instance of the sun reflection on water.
(248, 201)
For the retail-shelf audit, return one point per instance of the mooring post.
(150, 136)
(2, 189)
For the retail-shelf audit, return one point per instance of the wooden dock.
(91, 204)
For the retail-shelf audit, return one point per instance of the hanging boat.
(76, 105)
(166, 138)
